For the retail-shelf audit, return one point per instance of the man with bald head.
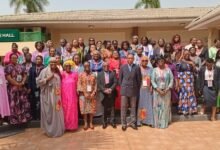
(106, 83)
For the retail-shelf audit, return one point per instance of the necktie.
(106, 78)
(129, 67)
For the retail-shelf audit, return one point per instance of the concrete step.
(98, 120)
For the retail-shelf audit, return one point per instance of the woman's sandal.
(85, 128)
(92, 127)
(213, 119)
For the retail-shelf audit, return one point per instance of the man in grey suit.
(106, 82)
(130, 81)
(60, 50)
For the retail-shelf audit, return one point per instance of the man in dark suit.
(60, 50)
(130, 81)
(107, 82)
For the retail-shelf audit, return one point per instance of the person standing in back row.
(130, 81)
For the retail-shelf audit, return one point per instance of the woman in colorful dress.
(4, 103)
(115, 46)
(16, 76)
(145, 106)
(49, 81)
(14, 50)
(208, 81)
(96, 64)
(99, 45)
(177, 48)
(88, 56)
(68, 54)
(125, 45)
(76, 49)
(147, 47)
(138, 55)
(40, 50)
(87, 88)
(162, 82)
(168, 49)
(106, 53)
(78, 67)
(187, 100)
(69, 97)
(176, 42)
(114, 65)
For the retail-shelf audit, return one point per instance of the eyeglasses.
(144, 60)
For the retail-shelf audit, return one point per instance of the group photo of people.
(142, 79)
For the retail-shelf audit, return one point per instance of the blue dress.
(187, 99)
(145, 106)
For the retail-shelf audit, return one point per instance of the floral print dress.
(18, 96)
(87, 85)
(187, 99)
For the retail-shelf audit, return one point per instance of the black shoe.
(133, 126)
(104, 126)
(113, 125)
(124, 128)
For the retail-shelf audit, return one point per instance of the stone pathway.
(197, 135)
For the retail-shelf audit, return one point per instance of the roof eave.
(204, 19)
(128, 20)
(203, 24)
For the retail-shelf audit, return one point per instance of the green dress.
(46, 61)
(162, 79)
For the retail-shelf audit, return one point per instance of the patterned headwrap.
(69, 62)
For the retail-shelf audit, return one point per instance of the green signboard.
(9, 35)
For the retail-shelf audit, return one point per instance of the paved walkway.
(198, 135)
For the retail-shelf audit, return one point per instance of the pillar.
(213, 34)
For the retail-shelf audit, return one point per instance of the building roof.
(106, 15)
(205, 19)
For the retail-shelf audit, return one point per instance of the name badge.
(162, 86)
(1, 81)
(96, 74)
(210, 83)
(89, 88)
(37, 94)
(19, 78)
(145, 83)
